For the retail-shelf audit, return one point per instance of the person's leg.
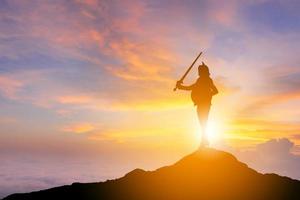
(203, 111)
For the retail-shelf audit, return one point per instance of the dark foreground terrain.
(206, 174)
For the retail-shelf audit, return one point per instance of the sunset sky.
(86, 86)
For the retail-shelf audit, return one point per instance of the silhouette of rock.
(206, 174)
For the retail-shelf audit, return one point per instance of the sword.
(187, 71)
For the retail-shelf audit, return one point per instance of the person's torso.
(201, 93)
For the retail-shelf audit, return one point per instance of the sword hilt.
(175, 88)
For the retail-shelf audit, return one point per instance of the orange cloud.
(79, 128)
(261, 102)
(141, 61)
(248, 132)
(63, 112)
(168, 101)
(158, 137)
(74, 99)
(98, 37)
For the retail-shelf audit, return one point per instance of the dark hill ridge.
(206, 174)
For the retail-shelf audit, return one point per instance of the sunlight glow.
(214, 132)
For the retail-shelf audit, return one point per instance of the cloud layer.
(274, 156)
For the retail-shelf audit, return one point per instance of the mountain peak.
(206, 156)
(205, 174)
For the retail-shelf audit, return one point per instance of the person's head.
(203, 70)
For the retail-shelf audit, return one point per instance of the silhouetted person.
(202, 92)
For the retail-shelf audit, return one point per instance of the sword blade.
(188, 70)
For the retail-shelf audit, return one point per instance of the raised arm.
(184, 87)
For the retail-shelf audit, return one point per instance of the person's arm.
(184, 87)
(214, 89)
